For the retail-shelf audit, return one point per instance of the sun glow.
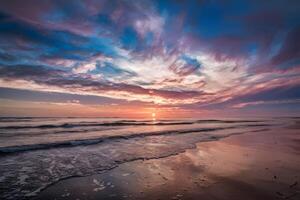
(153, 116)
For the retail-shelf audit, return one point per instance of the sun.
(153, 116)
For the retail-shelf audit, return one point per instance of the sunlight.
(153, 116)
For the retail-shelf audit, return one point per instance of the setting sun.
(153, 116)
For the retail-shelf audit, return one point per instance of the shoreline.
(193, 146)
(104, 185)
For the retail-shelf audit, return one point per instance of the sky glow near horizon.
(134, 58)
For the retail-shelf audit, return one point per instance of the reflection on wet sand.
(262, 165)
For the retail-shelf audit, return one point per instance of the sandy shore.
(262, 165)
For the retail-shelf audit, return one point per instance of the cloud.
(254, 103)
(45, 79)
(185, 66)
(28, 72)
(84, 68)
(194, 53)
(151, 23)
(290, 50)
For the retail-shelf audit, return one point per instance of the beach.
(257, 165)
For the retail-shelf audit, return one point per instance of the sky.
(133, 58)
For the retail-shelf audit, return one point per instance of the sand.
(262, 165)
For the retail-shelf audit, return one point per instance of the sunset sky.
(204, 58)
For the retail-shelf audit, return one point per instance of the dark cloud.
(278, 93)
(27, 72)
(6, 57)
(29, 95)
(55, 77)
(18, 37)
(185, 66)
(96, 86)
(290, 50)
(110, 70)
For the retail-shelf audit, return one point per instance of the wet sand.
(258, 165)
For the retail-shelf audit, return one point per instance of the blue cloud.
(110, 70)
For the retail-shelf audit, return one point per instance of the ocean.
(37, 152)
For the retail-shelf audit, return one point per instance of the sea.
(37, 152)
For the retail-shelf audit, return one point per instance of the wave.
(73, 125)
(125, 123)
(90, 141)
(40, 169)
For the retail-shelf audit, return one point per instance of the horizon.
(149, 118)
